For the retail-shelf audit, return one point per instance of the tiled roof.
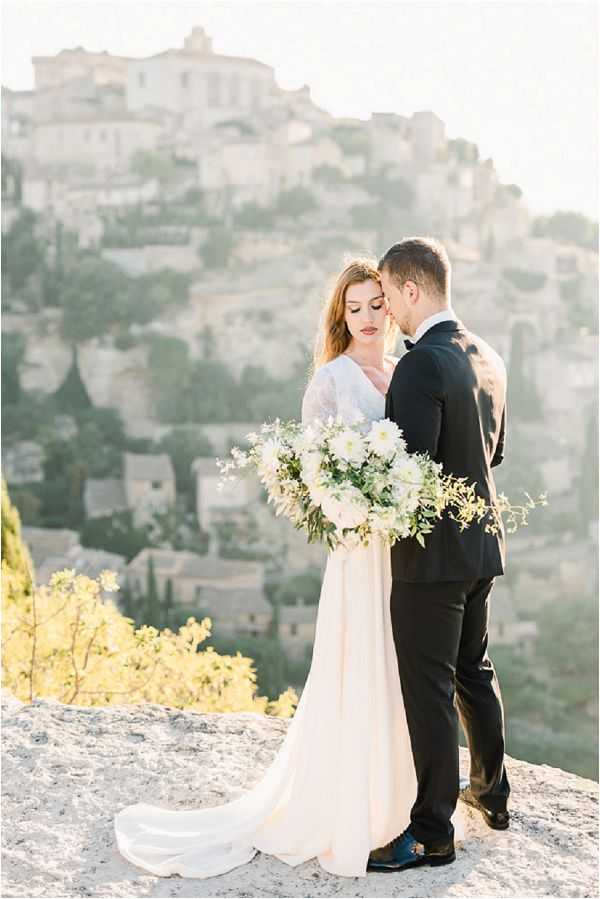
(299, 614)
(225, 603)
(190, 565)
(84, 560)
(45, 542)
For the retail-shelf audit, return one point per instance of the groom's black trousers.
(441, 635)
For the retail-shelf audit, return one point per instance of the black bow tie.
(408, 344)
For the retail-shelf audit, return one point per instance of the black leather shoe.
(495, 820)
(406, 852)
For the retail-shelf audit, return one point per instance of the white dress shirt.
(446, 315)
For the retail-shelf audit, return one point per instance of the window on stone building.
(252, 617)
(102, 135)
(156, 485)
(213, 89)
(293, 630)
(234, 90)
(141, 79)
(184, 78)
(197, 592)
(256, 92)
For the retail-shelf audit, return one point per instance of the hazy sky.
(519, 79)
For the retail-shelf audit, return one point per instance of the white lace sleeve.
(319, 399)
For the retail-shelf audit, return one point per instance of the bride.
(343, 781)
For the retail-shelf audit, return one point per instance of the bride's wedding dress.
(343, 781)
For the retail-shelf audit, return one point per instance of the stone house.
(105, 141)
(193, 77)
(149, 482)
(147, 485)
(230, 591)
(213, 504)
(297, 628)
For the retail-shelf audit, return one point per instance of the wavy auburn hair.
(333, 336)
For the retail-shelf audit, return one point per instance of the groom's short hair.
(423, 260)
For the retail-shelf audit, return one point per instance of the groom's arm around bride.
(448, 396)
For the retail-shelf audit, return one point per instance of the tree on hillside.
(92, 298)
(72, 395)
(22, 251)
(15, 554)
(152, 611)
(569, 227)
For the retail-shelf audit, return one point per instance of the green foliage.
(153, 611)
(255, 217)
(268, 655)
(183, 446)
(352, 139)
(14, 551)
(523, 279)
(295, 201)
(390, 191)
(366, 215)
(216, 252)
(92, 299)
(514, 190)
(306, 585)
(72, 396)
(329, 175)
(26, 418)
(115, 533)
(23, 253)
(13, 350)
(550, 698)
(568, 227)
(463, 150)
(150, 164)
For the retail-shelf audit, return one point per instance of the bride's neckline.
(366, 377)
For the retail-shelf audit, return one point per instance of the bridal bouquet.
(343, 486)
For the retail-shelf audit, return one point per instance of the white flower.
(384, 437)
(311, 465)
(269, 454)
(348, 446)
(346, 510)
(382, 518)
(407, 470)
(317, 490)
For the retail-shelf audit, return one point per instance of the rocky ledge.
(68, 769)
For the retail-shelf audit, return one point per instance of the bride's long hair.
(333, 336)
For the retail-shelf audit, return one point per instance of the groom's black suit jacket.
(448, 396)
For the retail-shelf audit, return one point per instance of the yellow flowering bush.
(64, 641)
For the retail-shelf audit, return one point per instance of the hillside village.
(170, 228)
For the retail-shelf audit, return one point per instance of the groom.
(447, 394)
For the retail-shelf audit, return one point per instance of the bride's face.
(366, 312)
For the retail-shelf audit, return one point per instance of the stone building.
(102, 141)
(229, 591)
(149, 482)
(212, 504)
(297, 628)
(194, 78)
(75, 63)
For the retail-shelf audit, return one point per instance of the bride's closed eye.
(372, 307)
